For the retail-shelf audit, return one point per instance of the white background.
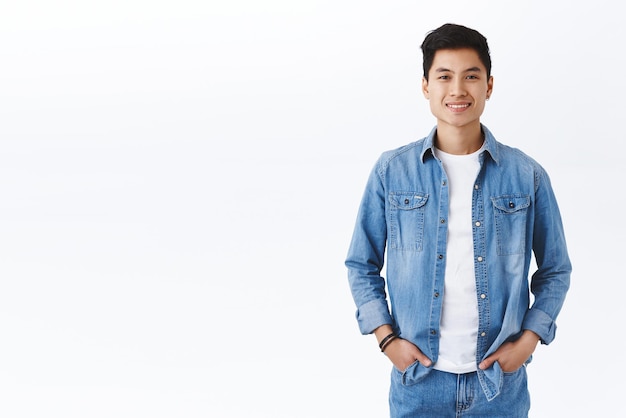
(179, 181)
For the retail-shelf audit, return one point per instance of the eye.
(472, 77)
(443, 77)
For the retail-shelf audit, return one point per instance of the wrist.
(382, 331)
(384, 343)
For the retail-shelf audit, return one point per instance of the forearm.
(529, 338)
(382, 332)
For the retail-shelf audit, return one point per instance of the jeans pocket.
(413, 374)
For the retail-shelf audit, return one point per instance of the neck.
(459, 140)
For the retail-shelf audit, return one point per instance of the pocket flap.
(407, 200)
(511, 203)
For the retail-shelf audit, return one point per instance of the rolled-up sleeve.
(551, 281)
(366, 257)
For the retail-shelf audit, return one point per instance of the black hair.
(452, 36)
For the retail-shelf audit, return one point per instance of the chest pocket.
(510, 216)
(406, 217)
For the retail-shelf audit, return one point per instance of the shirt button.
(436, 294)
(433, 332)
(479, 258)
(483, 296)
(511, 205)
(406, 201)
(440, 256)
(482, 334)
(476, 187)
(443, 221)
(443, 183)
(477, 223)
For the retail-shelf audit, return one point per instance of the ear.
(489, 87)
(425, 88)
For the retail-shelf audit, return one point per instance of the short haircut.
(452, 36)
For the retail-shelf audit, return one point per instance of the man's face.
(457, 87)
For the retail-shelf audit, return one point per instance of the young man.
(458, 216)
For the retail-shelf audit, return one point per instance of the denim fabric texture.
(402, 226)
(449, 395)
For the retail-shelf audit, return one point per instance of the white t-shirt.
(459, 320)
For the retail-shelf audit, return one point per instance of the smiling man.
(458, 216)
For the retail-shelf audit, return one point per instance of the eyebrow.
(446, 70)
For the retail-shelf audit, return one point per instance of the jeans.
(447, 395)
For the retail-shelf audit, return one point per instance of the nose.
(457, 88)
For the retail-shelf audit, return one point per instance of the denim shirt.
(403, 216)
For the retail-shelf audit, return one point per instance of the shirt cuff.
(372, 315)
(541, 324)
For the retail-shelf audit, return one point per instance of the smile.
(458, 106)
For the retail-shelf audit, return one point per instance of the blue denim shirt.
(403, 216)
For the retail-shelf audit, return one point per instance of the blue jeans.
(441, 395)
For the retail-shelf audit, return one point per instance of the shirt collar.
(490, 144)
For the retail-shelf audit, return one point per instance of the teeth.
(458, 106)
